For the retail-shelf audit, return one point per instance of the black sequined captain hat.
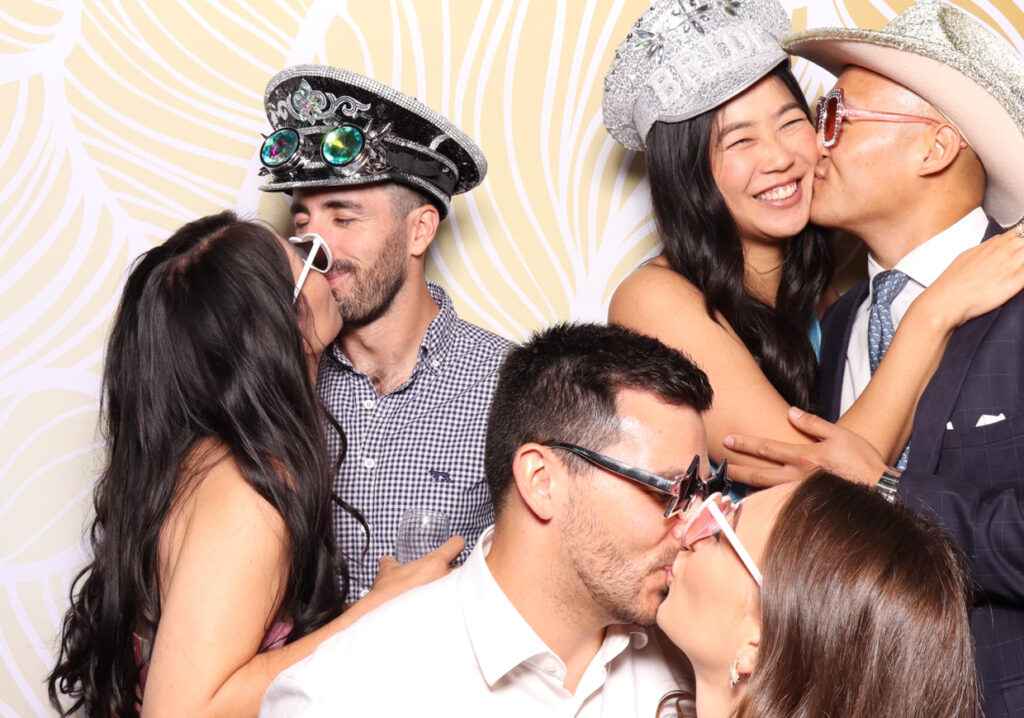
(332, 127)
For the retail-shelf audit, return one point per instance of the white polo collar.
(502, 639)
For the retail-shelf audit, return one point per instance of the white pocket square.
(986, 419)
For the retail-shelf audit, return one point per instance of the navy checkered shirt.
(421, 445)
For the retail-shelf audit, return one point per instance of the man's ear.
(532, 470)
(421, 226)
(943, 150)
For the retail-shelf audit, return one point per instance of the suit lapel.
(941, 394)
(835, 338)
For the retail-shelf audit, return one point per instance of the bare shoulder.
(215, 502)
(653, 293)
(210, 473)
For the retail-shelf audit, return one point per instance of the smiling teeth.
(783, 192)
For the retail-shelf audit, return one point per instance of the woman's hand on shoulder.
(978, 281)
(394, 579)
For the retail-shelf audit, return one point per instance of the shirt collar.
(927, 261)
(437, 340)
(440, 334)
(501, 637)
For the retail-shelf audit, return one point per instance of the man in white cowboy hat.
(373, 171)
(922, 157)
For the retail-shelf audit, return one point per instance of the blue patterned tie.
(886, 285)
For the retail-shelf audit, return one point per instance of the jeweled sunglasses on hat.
(348, 148)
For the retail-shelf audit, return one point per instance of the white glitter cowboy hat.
(332, 127)
(952, 61)
(685, 57)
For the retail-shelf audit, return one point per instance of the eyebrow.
(326, 204)
(794, 105)
(668, 473)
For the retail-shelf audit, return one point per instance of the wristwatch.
(888, 484)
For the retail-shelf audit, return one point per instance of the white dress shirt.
(458, 647)
(922, 265)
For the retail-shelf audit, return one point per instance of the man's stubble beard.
(613, 581)
(374, 287)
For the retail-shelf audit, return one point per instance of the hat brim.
(984, 122)
(441, 201)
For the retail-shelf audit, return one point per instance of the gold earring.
(734, 673)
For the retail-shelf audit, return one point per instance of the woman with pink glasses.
(214, 565)
(707, 94)
(820, 599)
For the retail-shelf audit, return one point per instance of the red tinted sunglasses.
(832, 110)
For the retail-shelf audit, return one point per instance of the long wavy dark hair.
(205, 345)
(701, 242)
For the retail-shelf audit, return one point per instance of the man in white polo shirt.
(547, 615)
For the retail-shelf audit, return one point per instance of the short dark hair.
(405, 199)
(563, 384)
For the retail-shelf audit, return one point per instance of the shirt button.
(435, 363)
(369, 404)
(550, 665)
(369, 463)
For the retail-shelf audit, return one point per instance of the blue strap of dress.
(814, 334)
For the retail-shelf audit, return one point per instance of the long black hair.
(701, 242)
(205, 345)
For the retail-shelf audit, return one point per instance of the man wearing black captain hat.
(373, 171)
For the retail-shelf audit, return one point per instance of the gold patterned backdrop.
(122, 119)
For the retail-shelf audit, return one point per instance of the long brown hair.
(864, 612)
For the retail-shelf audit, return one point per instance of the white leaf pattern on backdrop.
(123, 120)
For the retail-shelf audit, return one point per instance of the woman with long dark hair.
(213, 559)
(742, 277)
(821, 599)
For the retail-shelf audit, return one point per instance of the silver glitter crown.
(946, 56)
(685, 57)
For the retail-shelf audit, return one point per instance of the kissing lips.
(341, 271)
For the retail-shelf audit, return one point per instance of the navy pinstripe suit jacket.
(970, 479)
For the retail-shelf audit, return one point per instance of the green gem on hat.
(342, 145)
(279, 147)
